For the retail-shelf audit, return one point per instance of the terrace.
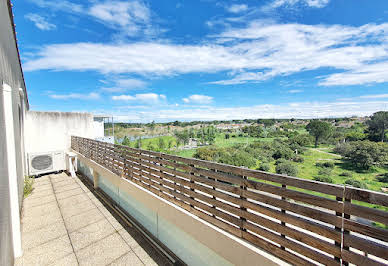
(64, 223)
(255, 216)
(130, 206)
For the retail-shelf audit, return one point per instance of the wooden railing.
(301, 221)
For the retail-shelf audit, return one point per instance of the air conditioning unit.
(46, 162)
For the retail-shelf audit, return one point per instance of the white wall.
(98, 129)
(11, 137)
(52, 131)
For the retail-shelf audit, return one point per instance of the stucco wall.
(52, 131)
(6, 252)
(10, 74)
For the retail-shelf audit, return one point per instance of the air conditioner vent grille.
(42, 162)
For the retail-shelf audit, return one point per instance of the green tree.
(126, 141)
(378, 126)
(319, 130)
(365, 154)
(266, 122)
(151, 125)
(162, 144)
(182, 136)
(170, 144)
(138, 143)
(253, 131)
(355, 135)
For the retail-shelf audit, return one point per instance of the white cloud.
(40, 22)
(376, 96)
(245, 77)
(130, 16)
(148, 98)
(89, 96)
(123, 98)
(198, 99)
(292, 3)
(237, 8)
(295, 91)
(59, 5)
(125, 84)
(366, 74)
(291, 110)
(254, 53)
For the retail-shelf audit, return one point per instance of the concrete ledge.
(231, 248)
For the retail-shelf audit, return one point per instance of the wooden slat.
(366, 196)
(294, 220)
(214, 175)
(326, 188)
(366, 245)
(196, 203)
(288, 243)
(358, 259)
(296, 195)
(295, 208)
(366, 212)
(297, 235)
(276, 250)
(202, 197)
(367, 230)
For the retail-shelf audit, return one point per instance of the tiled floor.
(63, 223)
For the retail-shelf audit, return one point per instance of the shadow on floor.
(149, 248)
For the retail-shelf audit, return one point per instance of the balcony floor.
(64, 223)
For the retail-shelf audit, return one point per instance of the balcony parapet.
(300, 221)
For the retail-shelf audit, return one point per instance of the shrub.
(383, 178)
(355, 183)
(286, 168)
(324, 172)
(298, 159)
(282, 151)
(208, 153)
(325, 164)
(343, 149)
(28, 186)
(279, 161)
(328, 164)
(326, 179)
(264, 167)
(239, 158)
(347, 174)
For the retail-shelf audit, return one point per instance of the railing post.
(191, 187)
(338, 244)
(175, 184)
(214, 188)
(243, 220)
(347, 200)
(283, 223)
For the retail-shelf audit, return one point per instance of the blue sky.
(205, 60)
